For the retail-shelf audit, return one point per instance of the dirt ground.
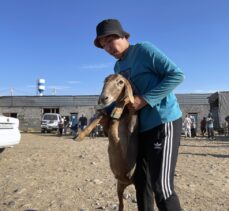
(45, 172)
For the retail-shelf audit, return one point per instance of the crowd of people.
(206, 126)
(73, 123)
(77, 124)
(189, 126)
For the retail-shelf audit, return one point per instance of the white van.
(49, 122)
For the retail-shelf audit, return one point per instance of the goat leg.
(116, 112)
(118, 109)
(120, 190)
(89, 128)
(132, 122)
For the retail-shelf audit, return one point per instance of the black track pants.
(154, 175)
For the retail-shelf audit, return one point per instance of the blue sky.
(53, 40)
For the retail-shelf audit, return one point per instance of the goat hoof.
(75, 137)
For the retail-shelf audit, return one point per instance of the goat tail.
(89, 128)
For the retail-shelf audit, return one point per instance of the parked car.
(9, 132)
(49, 122)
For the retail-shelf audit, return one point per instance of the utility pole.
(54, 91)
(11, 91)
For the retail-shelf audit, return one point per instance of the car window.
(50, 117)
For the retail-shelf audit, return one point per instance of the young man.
(153, 77)
(210, 126)
(187, 126)
(203, 126)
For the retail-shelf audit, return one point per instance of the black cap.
(109, 27)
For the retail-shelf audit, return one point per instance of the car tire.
(2, 149)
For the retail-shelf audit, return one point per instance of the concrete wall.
(30, 109)
(30, 117)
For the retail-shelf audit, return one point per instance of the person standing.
(61, 126)
(82, 122)
(74, 126)
(154, 77)
(226, 130)
(193, 126)
(65, 125)
(203, 126)
(210, 126)
(187, 126)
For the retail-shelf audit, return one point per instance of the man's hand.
(138, 104)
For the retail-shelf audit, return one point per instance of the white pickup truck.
(9, 132)
(50, 122)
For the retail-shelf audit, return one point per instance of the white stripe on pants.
(166, 162)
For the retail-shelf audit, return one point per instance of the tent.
(219, 107)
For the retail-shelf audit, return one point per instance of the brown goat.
(121, 128)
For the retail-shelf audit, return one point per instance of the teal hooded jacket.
(154, 77)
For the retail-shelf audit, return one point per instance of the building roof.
(193, 99)
(48, 101)
(84, 100)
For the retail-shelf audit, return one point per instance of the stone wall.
(30, 117)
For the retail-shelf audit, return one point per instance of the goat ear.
(129, 91)
(99, 100)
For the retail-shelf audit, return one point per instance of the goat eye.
(120, 82)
